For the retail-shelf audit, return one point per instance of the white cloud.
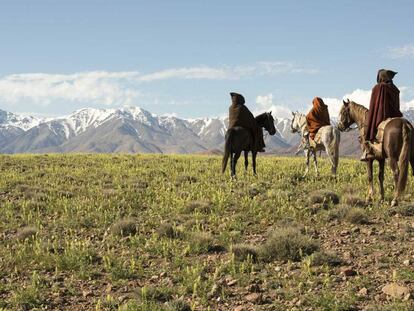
(405, 51)
(359, 96)
(265, 103)
(93, 87)
(119, 88)
(229, 72)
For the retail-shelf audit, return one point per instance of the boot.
(367, 154)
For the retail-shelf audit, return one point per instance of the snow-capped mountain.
(133, 129)
(8, 119)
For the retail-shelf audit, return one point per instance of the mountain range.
(135, 130)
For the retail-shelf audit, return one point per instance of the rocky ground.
(118, 232)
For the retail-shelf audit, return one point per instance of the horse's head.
(266, 121)
(270, 123)
(295, 124)
(344, 119)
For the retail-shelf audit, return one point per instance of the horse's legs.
(381, 178)
(307, 162)
(235, 158)
(315, 162)
(246, 159)
(371, 190)
(396, 173)
(254, 154)
(232, 165)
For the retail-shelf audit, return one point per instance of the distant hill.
(135, 130)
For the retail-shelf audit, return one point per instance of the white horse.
(329, 142)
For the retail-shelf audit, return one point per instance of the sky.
(183, 57)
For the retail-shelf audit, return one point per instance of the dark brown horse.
(396, 147)
(239, 139)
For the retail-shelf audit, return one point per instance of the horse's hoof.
(394, 203)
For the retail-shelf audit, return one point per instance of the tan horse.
(397, 145)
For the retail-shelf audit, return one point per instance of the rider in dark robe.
(385, 103)
(240, 115)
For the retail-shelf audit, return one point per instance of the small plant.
(204, 242)
(357, 216)
(323, 196)
(325, 258)
(353, 200)
(178, 305)
(124, 227)
(167, 230)
(26, 233)
(287, 244)
(243, 252)
(198, 206)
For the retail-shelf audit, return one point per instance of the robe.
(384, 104)
(240, 115)
(317, 117)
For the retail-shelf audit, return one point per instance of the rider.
(316, 118)
(240, 115)
(385, 103)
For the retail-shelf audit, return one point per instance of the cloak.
(317, 117)
(384, 104)
(240, 115)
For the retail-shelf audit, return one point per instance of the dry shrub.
(287, 244)
(323, 196)
(124, 227)
(353, 200)
(25, 233)
(167, 230)
(357, 216)
(244, 251)
(325, 258)
(204, 242)
(200, 206)
(406, 210)
(178, 305)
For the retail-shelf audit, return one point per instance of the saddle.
(316, 141)
(376, 146)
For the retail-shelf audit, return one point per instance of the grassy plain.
(164, 232)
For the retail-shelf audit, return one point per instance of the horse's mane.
(261, 116)
(359, 107)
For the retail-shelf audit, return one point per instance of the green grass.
(164, 232)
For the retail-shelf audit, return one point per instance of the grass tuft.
(287, 244)
(357, 216)
(204, 242)
(178, 305)
(26, 233)
(326, 258)
(323, 196)
(198, 206)
(167, 230)
(353, 200)
(124, 227)
(406, 210)
(244, 251)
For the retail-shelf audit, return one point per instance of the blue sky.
(184, 57)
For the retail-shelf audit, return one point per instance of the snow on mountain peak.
(8, 119)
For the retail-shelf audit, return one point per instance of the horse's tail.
(227, 151)
(335, 145)
(404, 158)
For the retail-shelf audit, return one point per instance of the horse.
(239, 139)
(396, 146)
(330, 139)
